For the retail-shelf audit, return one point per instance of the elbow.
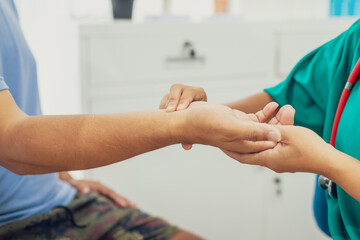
(19, 168)
(12, 153)
(14, 167)
(19, 172)
(24, 170)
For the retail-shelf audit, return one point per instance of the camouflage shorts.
(90, 216)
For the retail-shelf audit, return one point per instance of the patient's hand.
(86, 186)
(181, 96)
(223, 127)
(285, 116)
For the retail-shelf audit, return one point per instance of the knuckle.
(165, 97)
(172, 98)
(200, 90)
(175, 86)
(253, 135)
(164, 100)
(227, 137)
(188, 98)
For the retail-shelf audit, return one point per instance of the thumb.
(259, 132)
(84, 189)
(186, 146)
(287, 131)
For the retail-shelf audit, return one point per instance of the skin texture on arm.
(43, 144)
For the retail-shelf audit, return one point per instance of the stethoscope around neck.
(324, 182)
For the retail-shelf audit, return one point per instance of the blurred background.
(89, 62)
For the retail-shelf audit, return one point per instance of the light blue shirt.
(23, 196)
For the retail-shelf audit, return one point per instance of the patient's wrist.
(176, 126)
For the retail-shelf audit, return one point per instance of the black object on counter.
(122, 9)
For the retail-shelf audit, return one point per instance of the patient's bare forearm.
(251, 104)
(46, 144)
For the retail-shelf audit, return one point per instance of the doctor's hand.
(223, 127)
(87, 186)
(180, 97)
(300, 150)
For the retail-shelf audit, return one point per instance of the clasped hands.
(265, 138)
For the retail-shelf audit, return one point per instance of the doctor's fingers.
(242, 146)
(264, 114)
(296, 135)
(268, 158)
(174, 97)
(248, 158)
(164, 101)
(181, 96)
(252, 131)
(189, 95)
(285, 116)
(248, 147)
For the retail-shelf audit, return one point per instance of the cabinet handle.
(278, 186)
(188, 54)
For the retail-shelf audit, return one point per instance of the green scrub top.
(314, 88)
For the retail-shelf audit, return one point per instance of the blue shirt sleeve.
(3, 85)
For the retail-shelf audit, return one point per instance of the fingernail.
(271, 105)
(170, 108)
(181, 107)
(274, 135)
(86, 190)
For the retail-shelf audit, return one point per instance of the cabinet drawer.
(152, 56)
(147, 97)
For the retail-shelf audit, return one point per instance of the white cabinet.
(293, 41)
(128, 67)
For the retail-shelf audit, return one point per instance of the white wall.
(50, 27)
(52, 36)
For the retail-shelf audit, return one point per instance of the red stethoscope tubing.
(324, 182)
(343, 100)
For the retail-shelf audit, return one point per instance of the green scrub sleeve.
(309, 84)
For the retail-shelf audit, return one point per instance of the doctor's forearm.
(344, 170)
(44, 144)
(251, 104)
